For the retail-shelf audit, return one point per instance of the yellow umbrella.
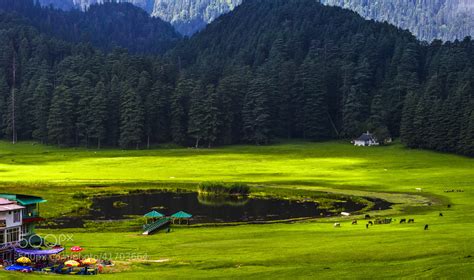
(23, 260)
(71, 263)
(89, 261)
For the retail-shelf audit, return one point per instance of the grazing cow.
(367, 216)
(367, 226)
(449, 205)
(403, 221)
(426, 227)
(370, 223)
(337, 225)
(440, 214)
(411, 220)
(354, 222)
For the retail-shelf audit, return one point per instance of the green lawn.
(311, 249)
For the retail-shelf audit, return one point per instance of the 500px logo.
(49, 240)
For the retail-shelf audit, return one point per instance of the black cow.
(354, 222)
(411, 220)
(367, 226)
(426, 227)
(371, 223)
(440, 214)
(403, 221)
(367, 216)
(449, 205)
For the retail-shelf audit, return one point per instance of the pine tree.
(98, 111)
(377, 119)
(408, 133)
(42, 99)
(85, 93)
(256, 112)
(180, 110)
(131, 119)
(3, 103)
(232, 90)
(60, 122)
(212, 117)
(351, 114)
(113, 111)
(197, 115)
(315, 108)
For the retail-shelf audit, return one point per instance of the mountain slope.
(428, 20)
(320, 72)
(187, 16)
(105, 26)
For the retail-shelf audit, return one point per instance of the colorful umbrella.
(89, 261)
(76, 249)
(23, 260)
(71, 263)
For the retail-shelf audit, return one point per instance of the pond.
(208, 209)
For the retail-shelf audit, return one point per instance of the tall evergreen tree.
(131, 119)
(42, 99)
(98, 110)
(180, 110)
(60, 122)
(256, 112)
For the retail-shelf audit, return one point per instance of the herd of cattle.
(379, 221)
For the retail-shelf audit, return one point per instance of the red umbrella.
(76, 249)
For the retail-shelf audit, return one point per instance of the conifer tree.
(197, 115)
(180, 110)
(256, 112)
(131, 119)
(60, 122)
(42, 99)
(99, 114)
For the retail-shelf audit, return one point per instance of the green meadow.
(304, 249)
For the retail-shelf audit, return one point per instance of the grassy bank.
(296, 250)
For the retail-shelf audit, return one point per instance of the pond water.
(207, 209)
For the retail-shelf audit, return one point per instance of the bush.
(224, 189)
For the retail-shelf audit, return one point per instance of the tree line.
(268, 70)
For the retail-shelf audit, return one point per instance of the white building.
(366, 139)
(11, 221)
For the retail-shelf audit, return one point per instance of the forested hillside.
(428, 20)
(270, 69)
(187, 16)
(105, 26)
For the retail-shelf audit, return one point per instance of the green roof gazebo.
(181, 215)
(153, 216)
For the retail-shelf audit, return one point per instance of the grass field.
(310, 249)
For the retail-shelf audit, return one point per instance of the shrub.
(224, 189)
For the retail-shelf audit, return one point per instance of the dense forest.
(105, 26)
(270, 69)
